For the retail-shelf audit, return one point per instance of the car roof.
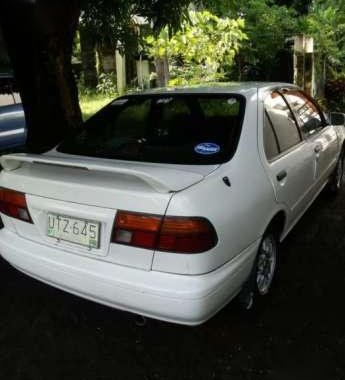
(245, 88)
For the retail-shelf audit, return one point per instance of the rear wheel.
(263, 272)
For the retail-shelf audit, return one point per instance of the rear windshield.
(176, 129)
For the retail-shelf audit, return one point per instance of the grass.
(91, 103)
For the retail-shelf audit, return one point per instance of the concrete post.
(143, 73)
(120, 72)
(304, 71)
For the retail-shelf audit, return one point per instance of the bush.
(191, 74)
(335, 94)
(106, 84)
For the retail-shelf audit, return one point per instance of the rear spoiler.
(163, 180)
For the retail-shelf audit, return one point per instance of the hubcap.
(266, 264)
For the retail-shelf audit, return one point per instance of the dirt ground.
(298, 333)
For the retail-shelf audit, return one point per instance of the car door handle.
(281, 175)
(317, 148)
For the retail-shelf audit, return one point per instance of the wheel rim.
(266, 264)
(340, 172)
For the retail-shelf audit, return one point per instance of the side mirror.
(337, 118)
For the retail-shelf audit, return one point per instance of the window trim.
(274, 133)
(285, 152)
(293, 115)
(293, 147)
(324, 122)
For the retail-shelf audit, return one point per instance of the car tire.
(337, 178)
(263, 272)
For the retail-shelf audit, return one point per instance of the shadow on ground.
(299, 333)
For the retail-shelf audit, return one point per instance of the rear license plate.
(78, 231)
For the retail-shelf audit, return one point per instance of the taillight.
(169, 233)
(13, 203)
(139, 230)
(181, 234)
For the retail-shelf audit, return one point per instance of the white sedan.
(170, 203)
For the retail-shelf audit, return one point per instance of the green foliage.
(271, 23)
(300, 6)
(268, 26)
(112, 23)
(335, 94)
(203, 46)
(191, 74)
(117, 24)
(326, 23)
(106, 84)
(91, 102)
(76, 52)
(109, 21)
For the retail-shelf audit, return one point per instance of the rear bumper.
(189, 300)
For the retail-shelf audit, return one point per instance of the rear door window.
(283, 121)
(308, 115)
(179, 129)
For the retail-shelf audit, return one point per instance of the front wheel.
(263, 272)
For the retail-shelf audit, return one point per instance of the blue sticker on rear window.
(207, 148)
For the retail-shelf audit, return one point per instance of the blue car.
(12, 119)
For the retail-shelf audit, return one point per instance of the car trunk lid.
(92, 190)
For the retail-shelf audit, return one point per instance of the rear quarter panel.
(240, 213)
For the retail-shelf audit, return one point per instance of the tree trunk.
(162, 70)
(4, 60)
(39, 36)
(88, 58)
(107, 59)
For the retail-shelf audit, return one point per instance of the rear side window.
(130, 123)
(307, 113)
(283, 121)
(270, 139)
(177, 129)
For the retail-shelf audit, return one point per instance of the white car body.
(175, 287)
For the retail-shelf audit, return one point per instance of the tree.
(268, 26)
(88, 57)
(203, 46)
(40, 49)
(107, 24)
(4, 60)
(326, 23)
(301, 6)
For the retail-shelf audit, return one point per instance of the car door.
(290, 158)
(12, 119)
(321, 136)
